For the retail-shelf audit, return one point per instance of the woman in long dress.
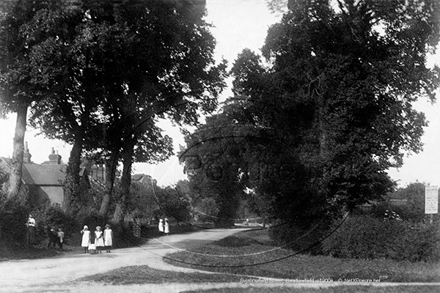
(166, 227)
(160, 226)
(108, 237)
(85, 241)
(99, 239)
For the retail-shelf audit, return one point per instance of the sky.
(239, 24)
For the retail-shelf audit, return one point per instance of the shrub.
(52, 216)
(13, 218)
(173, 204)
(300, 238)
(90, 218)
(13, 214)
(123, 236)
(369, 237)
(419, 242)
(406, 212)
(206, 210)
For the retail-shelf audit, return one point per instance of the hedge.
(368, 237)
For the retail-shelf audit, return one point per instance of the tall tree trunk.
(323, 147)
(16, 172)
(110, 170)
(72, 180)
(127, 160)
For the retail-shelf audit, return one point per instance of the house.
(44, 181)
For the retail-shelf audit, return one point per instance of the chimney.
(54, 158)
(26, 155)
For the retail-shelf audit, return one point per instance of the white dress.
(85, 239)
(160, 226)
(167, 228)
(99, 241)
(108, 235)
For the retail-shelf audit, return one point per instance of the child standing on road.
(52, 237)
(85, 239)
(108, 237)
(99, 239)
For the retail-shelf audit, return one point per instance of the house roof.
(137, 177)
(141, 178)
(8, 161)
(45, 174)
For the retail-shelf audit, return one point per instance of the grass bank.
(337, 289)
(26, 252)
(146, 275)
(252, 253)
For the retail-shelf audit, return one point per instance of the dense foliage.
(413, 202)
(312, 131)
(214, 162)
(369, 238)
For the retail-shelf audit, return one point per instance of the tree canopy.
(104, 72)
(335, 97)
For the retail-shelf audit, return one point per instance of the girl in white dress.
(99, 239)
(85, 239)
(108, 237)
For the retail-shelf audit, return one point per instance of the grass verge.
(146, 275)
(337, 289)
(251, 253)
(11, 253)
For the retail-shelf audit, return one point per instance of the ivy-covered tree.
(333, 104)
(18, 85)
(338, 93)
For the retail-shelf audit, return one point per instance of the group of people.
(100, 240)
(55, 235)
(164, 226)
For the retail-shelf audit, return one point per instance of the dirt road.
(58, 274)
(49, 274)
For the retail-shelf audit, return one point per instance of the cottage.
(44, 181)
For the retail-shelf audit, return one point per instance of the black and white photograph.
(219, 146)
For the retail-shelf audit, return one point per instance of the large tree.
(17, 84)
(123, 66)
(182, 78)
(341, 83)
(334, 99)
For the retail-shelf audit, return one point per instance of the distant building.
(143, 179)
(44, 181)
(397, 201)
